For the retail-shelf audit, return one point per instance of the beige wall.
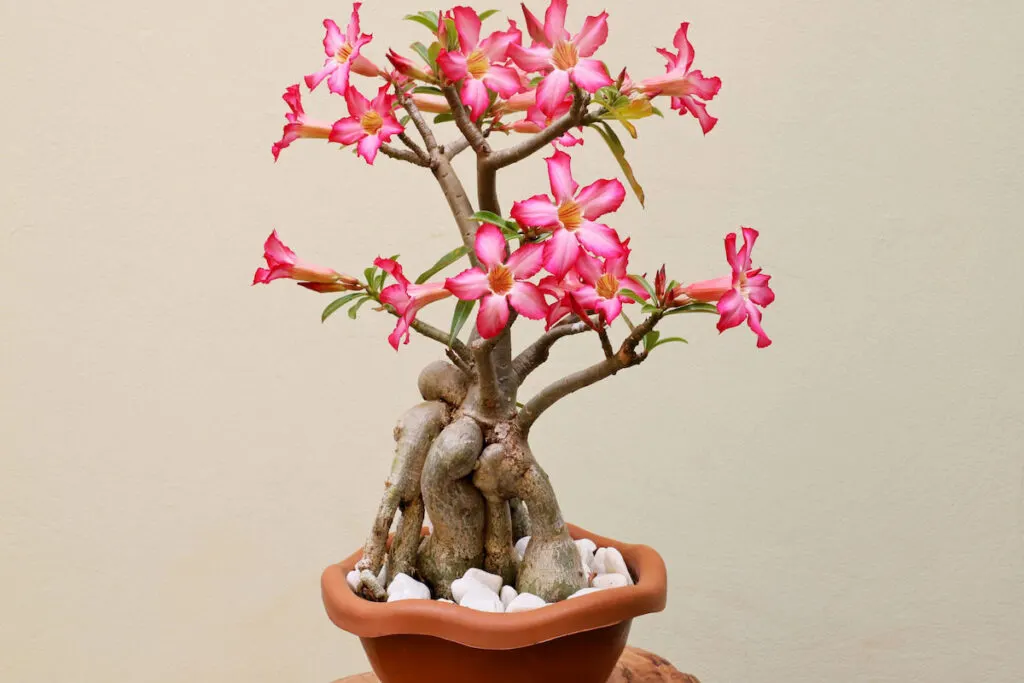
(182, 454)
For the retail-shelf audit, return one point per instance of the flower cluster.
(554, 257)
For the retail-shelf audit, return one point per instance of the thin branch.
(455, 148)
(459, 361)
(490, 392)
(469, 129)
(537, 353)
(606, 343)
(411, 144)
(576, 116)
(438, 335)
(417, 119)
(458, 202)
(404, 155)
(626, 357)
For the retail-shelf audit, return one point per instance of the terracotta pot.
(573, 641)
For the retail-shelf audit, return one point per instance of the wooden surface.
(635, 666)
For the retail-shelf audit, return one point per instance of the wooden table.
(635, 666)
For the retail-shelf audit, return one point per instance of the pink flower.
(536, 121)
(406, 298)
(479, 64)
(605, 283)
(561, 290)
(342, 55)
(561, 56)
(688, 89)
(298, 125)
(502, 284)
(371, 124)
(738, 295)
(283, 263)
(571, 215)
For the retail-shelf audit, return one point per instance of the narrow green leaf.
(619, 152)
(647, 285)
(354, 311)
(433, 53)
(487, 14)
(422, 51)
(672, 285)
(694, 308)
(630, 294)
(616, 112)
(670, 340)
(463, 310)
(442, 263)
(452, 33)
(488, 217)
(404, 120)
(336, 305)
(427, 90)
(424, 21)
(626, 318)
(443, 118)
(651, 339)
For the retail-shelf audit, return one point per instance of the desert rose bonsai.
(549, 268)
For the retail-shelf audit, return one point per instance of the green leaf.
(648, 309)
(694, 308)
(670, 340)
(337, 304)
(442, 263)
(427, 90)
(487, 14)
(443, 118)
(433, 53)
(354, 311)
(626, 318)
(463, 310)
(404, 120)
(647, 285)
(422, 51)
(452, 33)
(651, 339)
(489, 217)
(619, 152)
(425, 21)
(630, 294)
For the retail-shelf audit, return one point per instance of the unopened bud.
(346, 284)
(660, 280)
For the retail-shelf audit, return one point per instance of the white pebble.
(353, 580)
(521, 546)
(382, 576)
(586, 548)
(614, 564)
(404, 587)
(492, 581)
(508, 594)
(609, 581)
(483, 600)
(598, 566)
(450, 602)
(460, 587)
(583, 591)
(525, 602)
(588, 544)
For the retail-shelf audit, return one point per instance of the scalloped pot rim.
(484, 630)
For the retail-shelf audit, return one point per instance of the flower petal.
(467, 23)
(590, 75)
(600, 239)
(347, 131)
(475, 96)
(503, 81)
(758, 290)
(493, 316)
(604, 196)
(397, 296)
(589, 268)
(392, 268)
(587, 297)
(635, 287)
(536, 58)
(490, 245)
(333, 40)
(563, 187)
(705, 88)
(356, 102)
(682, 43)
(453, 64)
(552, 91)
(276, 253)
(368, 148)
(337, 82)
(469, 285)
(314, 79)
(536, 212)
(526, 261)
(528, 300)
(732, 310)
(561, 252)
(554, 21)
(593, 35)
(401, 330)
(754, 323)
(610, 308)
(700, 111)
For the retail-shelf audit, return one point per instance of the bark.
(520, 519)
(499, 544)
(455, 506)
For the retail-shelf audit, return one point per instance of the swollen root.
(455, 506)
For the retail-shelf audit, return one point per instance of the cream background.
(182, 454)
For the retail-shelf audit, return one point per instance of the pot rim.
(491, 631)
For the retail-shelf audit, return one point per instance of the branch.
(626, 357)
(454, 149)
(411, 144)
(458, 202)
(470, 130)
(404, 155)
(417, 119)
(606, 343)
(576, 116)
(537, 353)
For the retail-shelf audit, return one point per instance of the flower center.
(607, 286)
(477, 64)
(569, 215)
(500, 280)
(371, 122)
(343, 53)
(565, 55)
